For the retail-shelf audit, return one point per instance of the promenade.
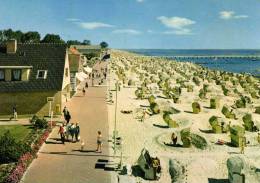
(58, 163)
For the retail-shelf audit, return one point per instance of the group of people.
(73, 129)
(69, 129)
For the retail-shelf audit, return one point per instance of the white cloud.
(139, 1)
(73, 19)
(126, 31)
(177, 25)
(179, 32)
(93, 25)
(175, 22)
(227, 15)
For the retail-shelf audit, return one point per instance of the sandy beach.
(201, 165)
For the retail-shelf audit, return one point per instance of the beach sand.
(201, 165)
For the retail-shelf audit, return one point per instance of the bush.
(10, 150)
(41, 124)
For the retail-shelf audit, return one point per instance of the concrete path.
(58, 163)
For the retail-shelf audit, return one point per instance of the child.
(99, 142)
(82, 145)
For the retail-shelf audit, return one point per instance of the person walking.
(68, 117)
(65, 112)
(77, 132)
(84, 91)
(86, 85)
(72, 131)
(62, 133)
(99, 142)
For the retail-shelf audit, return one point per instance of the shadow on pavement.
(211, 180)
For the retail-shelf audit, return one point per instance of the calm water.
(237, 65)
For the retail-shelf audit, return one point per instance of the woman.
(99, 142)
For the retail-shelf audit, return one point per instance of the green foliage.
(10, 149)
(103, 44)
(38, 123)
(52, 38)
(31, 37)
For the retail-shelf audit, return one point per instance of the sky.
(164, 24)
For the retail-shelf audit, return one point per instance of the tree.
(31, 37)
(73, 42)
(103, 44)
(86, 42)
(52, 38)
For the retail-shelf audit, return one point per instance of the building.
(76, 62)
(33, 77)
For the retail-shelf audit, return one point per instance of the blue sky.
(188, 24)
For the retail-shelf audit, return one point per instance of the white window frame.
(45, 74)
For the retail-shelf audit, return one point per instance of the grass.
(18, 131)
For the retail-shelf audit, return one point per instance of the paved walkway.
(58, 163)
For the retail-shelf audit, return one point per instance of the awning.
(87, 69)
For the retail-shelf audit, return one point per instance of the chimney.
(11, 46)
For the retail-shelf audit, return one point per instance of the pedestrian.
(65, 112)
(61, 132)
(77, 132)
(83, 91)
(14, 113)
(86, 85)
(99, 142)
(72, 132)
(67, 117)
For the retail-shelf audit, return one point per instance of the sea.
(217, 59)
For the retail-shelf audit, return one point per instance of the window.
(16, 75)
(41, 74)
(2, 75)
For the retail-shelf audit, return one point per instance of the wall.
(29, 102)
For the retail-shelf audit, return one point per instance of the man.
(65, 112)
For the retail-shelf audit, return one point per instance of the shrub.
(41, 123)
(10, 150)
